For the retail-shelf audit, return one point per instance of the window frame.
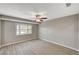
(19, 29)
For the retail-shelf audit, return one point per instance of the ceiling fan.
(39, 18)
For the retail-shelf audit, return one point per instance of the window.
(22, 29)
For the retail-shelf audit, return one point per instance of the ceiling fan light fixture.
(38, 20)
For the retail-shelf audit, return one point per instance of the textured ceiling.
(29, 10)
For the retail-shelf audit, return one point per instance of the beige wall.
(0, 32)
(78, 32)
(9, 33)
(61, 30)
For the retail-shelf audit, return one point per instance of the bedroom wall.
(0, 32)
(9, 33)
(78, 32)
(62, 31)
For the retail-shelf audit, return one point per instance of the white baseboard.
(60, 44)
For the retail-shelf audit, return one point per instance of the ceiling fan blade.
(44, 18)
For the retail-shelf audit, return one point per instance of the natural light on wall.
(22, 29)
